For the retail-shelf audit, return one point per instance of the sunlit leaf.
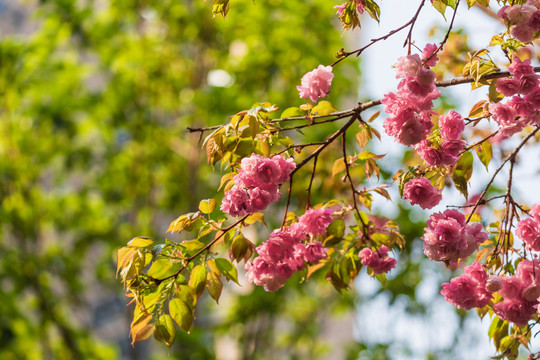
(181, 313)
(140, 242)
(207, 206)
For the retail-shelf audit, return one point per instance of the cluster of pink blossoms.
(449, 238)
(285, 252)
(358, 4)
(528, 230)
(519, 111)
(520, 293)
(316, 83)
(410, 107)
(378, 260)
(446, 151)
(419, 191)
(256, 184)
(468, 290)
(524, 19)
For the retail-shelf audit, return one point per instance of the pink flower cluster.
(419, 191)
(524, 19)
(519, 111)
(285, 252)
(378, 260)
(528, 230)
(468, 290)
(316, 83)
(410, 107)
(520, 292)
(358, 4)
(256, 184)
(449, 238)
(446, 151)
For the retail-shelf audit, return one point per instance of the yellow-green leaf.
(484, 152)
(227, 268)
(207, 206)
(477, 110)
(165, 331)
(163, 268)
(140, 242)
(187, 294)
(339, 166)
(463, 172)
(292, 112)
(323, 108)
(253, 218)
(197, 279)
(214, 285)
(241, 249)
(181, 313)
(124, 256)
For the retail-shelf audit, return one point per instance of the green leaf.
(484, 152)
(181, 313)
(440, 6)
(189, 248)
(463, 172)
(184, 222)
(369, 155)
(323, 108)
(292, 112)
(451, 3)
(187, 294)
(197, 279)
(207, 206)
(163, 268)
(227, 268)
(220, 7)
(336, 228)
(165, 331)
(339, 166)
(140, 242)
(373, 10)
(496, 40)
(214, 286)
(241, 249)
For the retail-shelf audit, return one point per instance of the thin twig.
(298, 146)
(205, 248)
(441, 45)
(512, 155)
(408, 39)
(311, 183)
(373, 41)
(478, 142)
(326, 143)
(338, 115)
(288, 200)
